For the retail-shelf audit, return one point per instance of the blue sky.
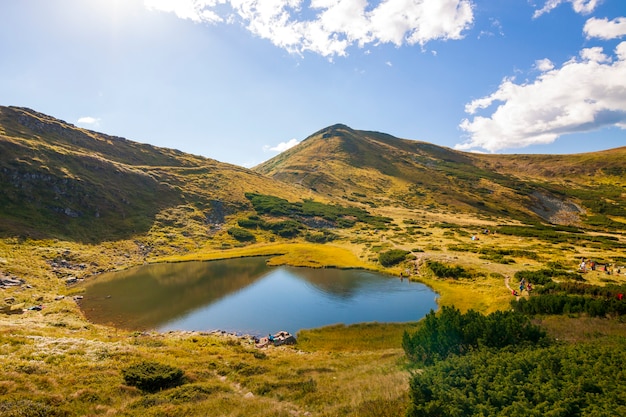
(239, 80)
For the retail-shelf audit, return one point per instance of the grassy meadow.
(57, 363)
(76, 203)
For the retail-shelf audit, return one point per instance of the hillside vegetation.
(65, 182)
(378, 169)
(75, 203)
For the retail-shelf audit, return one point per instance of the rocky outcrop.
(556, 210)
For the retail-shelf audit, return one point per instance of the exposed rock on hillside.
(555, 210)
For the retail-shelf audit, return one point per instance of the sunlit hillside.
(379, 169)
(62, 181)
(76, 203)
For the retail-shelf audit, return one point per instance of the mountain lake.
(245, 296)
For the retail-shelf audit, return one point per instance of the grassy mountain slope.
(62, 181)
(74, 203)
(380, 169)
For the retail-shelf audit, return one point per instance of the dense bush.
(241, 235)
(607, 291)
(267, 204)
(443, 271)
(545, 276)
(152, 376)
(286, 228)
(452, 333)
(392, 257)
(342, 216)
(566, 304)
(569, 380)
(250, 223)
(322, 236)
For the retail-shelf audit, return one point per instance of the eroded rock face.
(556, 210)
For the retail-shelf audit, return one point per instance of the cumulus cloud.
(579, 6)
(335, 25)
(586, 93)
(88, 120)
(544, 65)
(281, 147)
(605, 28)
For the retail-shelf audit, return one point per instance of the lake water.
(247, 296)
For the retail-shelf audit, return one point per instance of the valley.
(77, 203)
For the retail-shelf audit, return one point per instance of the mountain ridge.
(61, 180)
(406, 172)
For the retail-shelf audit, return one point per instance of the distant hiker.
(620, 296)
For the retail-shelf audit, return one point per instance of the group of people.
(523, 285)
(590, 265)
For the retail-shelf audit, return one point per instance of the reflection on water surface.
(246, 296)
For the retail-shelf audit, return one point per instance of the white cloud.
(336, 24)
(195, 10)
(579, 6)
(605, 29)
(88, 120)
(281, 147)
(595, 54)
(544, 65)
(585, 94)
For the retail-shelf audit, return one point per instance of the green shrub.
(454, 333)
(249, 223)
(563, 380)
(242, 235)
(392, 257)
(443, 271)
(286, 228)
(152, 376)
(545, 276)
(320, 237)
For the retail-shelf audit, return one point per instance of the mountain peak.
(337, 129)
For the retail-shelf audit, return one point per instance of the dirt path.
(507, 281)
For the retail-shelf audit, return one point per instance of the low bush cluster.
(241, 235)
(545, 276)
(570, 304)
(553, 381)
(453, 333)
(322, 236)
(152, 376)
(444, 271)
(392, 257)
(341, 216)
